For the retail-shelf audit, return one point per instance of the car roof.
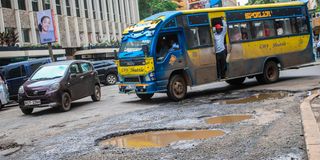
(27, 62)
(67, 62)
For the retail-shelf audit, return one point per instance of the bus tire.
(236, 82)
(177, 88)
(145, 96)
(270, 73)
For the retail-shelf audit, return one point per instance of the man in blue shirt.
(221, 52)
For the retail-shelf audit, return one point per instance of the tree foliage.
(8, 38)
(250, 2)
(150, 7)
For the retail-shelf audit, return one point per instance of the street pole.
(50, 51)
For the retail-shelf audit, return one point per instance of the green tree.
(250, 2)
(150, 7)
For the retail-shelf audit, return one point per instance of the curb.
(310, 127)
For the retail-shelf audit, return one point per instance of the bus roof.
(152, 21)
(218, 9)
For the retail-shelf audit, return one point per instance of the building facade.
(79, 22)
(198, 4)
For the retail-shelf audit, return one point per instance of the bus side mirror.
(145, 49)
(115, 54)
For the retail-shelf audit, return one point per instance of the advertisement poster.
(46, 26)
(198, 4)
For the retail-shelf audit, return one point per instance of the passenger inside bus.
(279, 29)
(165, 45)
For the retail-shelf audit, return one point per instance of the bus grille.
(132, 79)
(137, 62)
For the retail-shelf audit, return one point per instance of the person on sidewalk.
(318, 49)
(221, 52)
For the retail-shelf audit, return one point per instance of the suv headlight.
(21, 90)
(54, 87)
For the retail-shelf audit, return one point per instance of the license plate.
(32, 102)
(131, 86)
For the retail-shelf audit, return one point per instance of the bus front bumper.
(145, 88)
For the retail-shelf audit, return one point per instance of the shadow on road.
(220, 89)
(74, 106)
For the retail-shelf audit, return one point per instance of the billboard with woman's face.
(46, 27)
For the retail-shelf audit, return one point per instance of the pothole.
(227, 119)
(255, 98)
(156, 139)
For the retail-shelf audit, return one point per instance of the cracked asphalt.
(273, 132)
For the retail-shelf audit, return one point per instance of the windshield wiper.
(46, 78)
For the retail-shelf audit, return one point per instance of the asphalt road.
(36, 136)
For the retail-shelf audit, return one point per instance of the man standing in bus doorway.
(221, 52)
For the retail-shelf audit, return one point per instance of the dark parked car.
(58, 84)
(107, 71)
(17, 73)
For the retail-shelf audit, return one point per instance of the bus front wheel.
(270, 73)
(145, 96)
(177, 88)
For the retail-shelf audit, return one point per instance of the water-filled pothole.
(159, 138)
(255, 98)
(227, 119)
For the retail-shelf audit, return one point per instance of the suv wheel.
(177, 88)
(65, 102)
(111, 79)
(27, 111)
(97, 93)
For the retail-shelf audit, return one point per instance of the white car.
(4, 94)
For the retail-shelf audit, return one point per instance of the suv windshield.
(134, 45)
(50, 72)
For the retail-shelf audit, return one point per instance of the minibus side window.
(166, 44)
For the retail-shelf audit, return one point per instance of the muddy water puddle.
(159, 138)
(255, 98)
(227, 119)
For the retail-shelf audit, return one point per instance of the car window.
(74, 69)
(86, 67)
(16, 72)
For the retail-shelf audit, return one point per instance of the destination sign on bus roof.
(265, 13)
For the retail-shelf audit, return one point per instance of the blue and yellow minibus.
(169, 51)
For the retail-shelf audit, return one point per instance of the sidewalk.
(310, 114)
(317, 62)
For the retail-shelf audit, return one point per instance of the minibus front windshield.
(134, 47)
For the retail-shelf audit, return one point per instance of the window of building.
(58, 6)
(46, 4)
(22, 4)
(93, 10)
(35, 6)
(198, 37)
(101, 13)
(26, 35)
(6, 3)
(9, 29)
(119, 9)
(77, 8)
(86, 8)
(68, 8)
(108, 15)
(239, 32)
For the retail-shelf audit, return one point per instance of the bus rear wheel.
(270, 73)
(236, 82)
(177, 88)
(145, 96)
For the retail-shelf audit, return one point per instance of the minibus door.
(169, 56)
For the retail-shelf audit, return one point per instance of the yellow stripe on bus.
(275, 46)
